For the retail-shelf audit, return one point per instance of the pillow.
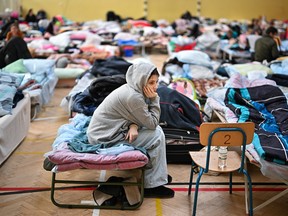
(11, 79)
(39, 65)
(16, 67)
(67, 73)
(78, 36)
(194, 57)
(251, 66)
(7, 94)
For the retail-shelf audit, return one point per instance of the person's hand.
(149, 93)
(132, 133)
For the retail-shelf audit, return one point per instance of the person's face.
(14, 30)
(153, 82)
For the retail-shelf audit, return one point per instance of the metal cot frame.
(55, 181)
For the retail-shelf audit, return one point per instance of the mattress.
(42, 96)
(14, 128)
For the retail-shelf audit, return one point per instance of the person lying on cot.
(131, 114)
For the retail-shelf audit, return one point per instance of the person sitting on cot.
(15, 47)
(14, 32)
(130, 114)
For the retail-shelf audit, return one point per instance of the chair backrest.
(226, 134)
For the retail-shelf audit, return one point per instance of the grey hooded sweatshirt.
(124, 106)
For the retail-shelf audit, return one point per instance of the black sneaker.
(169, 179)
(110, 202)
(158, 192)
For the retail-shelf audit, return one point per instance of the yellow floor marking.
(51, 118)
(38, 139)
(32, 153)
(158, 207)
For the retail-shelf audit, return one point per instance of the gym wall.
(84, 10)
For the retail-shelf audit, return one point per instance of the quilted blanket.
(65, 160)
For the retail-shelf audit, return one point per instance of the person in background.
(30, 17)
(13, 18)
(14, 32)
(15, 47)
(266, 48)
(52, 28)
(130, 114)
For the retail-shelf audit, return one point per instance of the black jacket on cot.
(178, 111)
(87, 101)
(110, 66)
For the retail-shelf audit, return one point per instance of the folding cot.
(67, 158)
(39, 78)
(42, 71)
(14, 128)
(227, 51)
(130, 162)
(270, 170)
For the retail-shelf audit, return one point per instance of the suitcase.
(180, 120)
(178, 144)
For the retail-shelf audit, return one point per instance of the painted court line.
(39, 139)
(96, 212)
(175, 189)
(158, 207)
(29, 153)
(50, 118)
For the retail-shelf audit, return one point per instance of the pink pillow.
(78, 36)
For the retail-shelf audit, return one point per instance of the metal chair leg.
(196, 191)
(246, 188)
(250, 192)
(230, 182)
(191, 178)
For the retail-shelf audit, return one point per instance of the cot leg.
(271, 199)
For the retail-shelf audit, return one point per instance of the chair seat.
(233, 161)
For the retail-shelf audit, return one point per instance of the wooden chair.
(222, 134)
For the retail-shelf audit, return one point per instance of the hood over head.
(138, 74)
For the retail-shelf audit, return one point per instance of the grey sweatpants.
(154, 142)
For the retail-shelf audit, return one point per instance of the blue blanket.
(267, 107)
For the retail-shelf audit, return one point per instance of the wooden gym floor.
(25, 185)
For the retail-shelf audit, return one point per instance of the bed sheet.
(14, 128)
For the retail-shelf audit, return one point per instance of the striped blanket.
(267, 107)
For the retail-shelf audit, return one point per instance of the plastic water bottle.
(222, 157)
